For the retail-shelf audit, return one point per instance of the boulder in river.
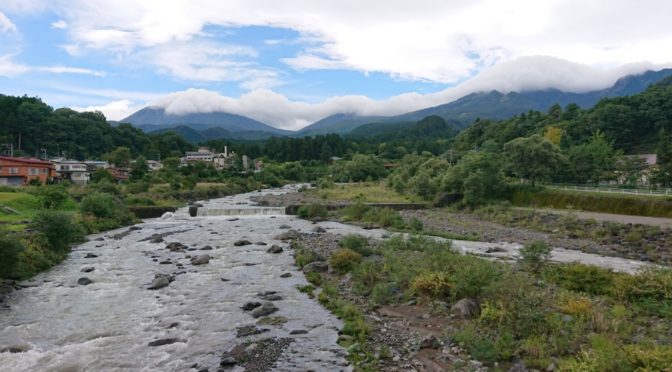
(319, 230)
(90, 255)
(160, 281)
(88, 269)
(284, 227)
(242, 242)
(163, 341)
(84, 281)
(317, 267)
(176, 247)
(275, 249)
(266, 309)
(251, 305)
(201, 259)
(286, 275)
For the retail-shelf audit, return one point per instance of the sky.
(289, 63)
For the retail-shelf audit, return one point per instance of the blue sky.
(293, 63)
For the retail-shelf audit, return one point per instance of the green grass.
(595, 202)
(24, 203)
(370, 192)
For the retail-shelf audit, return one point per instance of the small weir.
(254, 211)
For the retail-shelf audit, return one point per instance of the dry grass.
(372, 192)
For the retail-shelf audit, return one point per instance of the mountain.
(338, 123)
(491, 105)
(152, 119)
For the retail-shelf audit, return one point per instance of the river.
(108, 324)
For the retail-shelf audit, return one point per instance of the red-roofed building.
(20, 171)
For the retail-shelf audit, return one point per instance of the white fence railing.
(658, 192)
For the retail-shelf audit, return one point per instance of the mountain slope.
(490, 105)
(153, 119)
(338, 123)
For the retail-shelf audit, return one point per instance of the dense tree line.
(35, 129)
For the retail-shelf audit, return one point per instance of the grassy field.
(26, 204)
(372, 192)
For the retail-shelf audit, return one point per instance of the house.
(74, 171)
(154, 165)
(20, 171)
(119, 174)
(94, 165)
(202, 155)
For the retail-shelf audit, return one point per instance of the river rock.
(5, 289)
(319, 230)
(284, 227)
(317, 267)
(206, 248)
(269, 296)
(228, 362)
(288, 235)
(90, 255)
(251, 305)
(84, 281)
(260, 243)
(466, 308)
(298, 332)
(266, 309)
(176, 247)
(163, 341)
(242, 242)
(159, 282)
(135, 228)
(249, 330)
(286, 275)
(88, 269)
(275, 249)
(201, 259)
(430, 342)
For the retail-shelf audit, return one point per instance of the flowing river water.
(55, 324)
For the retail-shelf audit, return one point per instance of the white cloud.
(115, 110)
(6, 24)
(60, 24)
(429, 40)
(8, 68)
(70, 70)
(522, 74)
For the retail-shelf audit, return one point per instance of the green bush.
(99, 205)
(312, 211)
(10, 249)
(53, 197)
(416, 225)
(344, 259)
(58, 229)
(137, 187)
(357, 243)
(386, 217)
(355, 211)
(578, 277)
(534, 255)
(140, 200)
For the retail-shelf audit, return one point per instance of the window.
(13, 170)
(34, 171)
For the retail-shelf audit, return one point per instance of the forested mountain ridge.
(34, 128)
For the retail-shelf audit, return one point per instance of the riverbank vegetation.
(573, 317)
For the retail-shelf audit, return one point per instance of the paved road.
(619, 218)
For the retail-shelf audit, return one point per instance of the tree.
(593, 161)
(478, 176)
(139, 168)
(533, 158)
(664, 158)
(171, 163)
(101, 175)
(120, 157)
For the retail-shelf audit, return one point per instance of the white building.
(154, 165)
(202, 155)
(72, 170)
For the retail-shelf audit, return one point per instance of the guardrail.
(660, 192)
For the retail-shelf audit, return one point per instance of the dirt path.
(608, 217)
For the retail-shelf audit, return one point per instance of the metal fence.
(613, 190)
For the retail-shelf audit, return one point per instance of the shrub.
(357, 243)
(53, 197)
(471, 275)
(433, 284)
(384, 293)
(137, 187)
(385, 217)
(140, 200)
(589, 279)
(10, 248)
(344, 259)
(416, 225)
(534, 255)
(312, 211)
(100, 205)
(366, 275)
(649, 357)
(58, 229)
(355, 211)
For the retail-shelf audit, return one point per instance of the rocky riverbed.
(169, 295)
